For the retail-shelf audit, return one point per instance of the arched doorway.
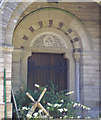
(51, 34)
(45, 68)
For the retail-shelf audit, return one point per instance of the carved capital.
(77, 56)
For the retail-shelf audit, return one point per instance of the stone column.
(24, 65)
(77, 76)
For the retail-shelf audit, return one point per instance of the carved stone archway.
(53, 35)
(56, 44)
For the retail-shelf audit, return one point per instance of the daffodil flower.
(88, 108)
(65, 109)
(29, 116)
(69, 93)
(47, 107)
(79, 104)
(35, 114)
(49, 104)
(57, 105)
(36, 85)
(78, 117)
(24, 108)
(40, 111)
(61, 100)
(61, 110)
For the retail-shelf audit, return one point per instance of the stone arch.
(26, 31)
(73, 30)
(75, 25)
(8, 29)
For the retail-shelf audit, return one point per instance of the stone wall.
(5, 62)
(88, 13)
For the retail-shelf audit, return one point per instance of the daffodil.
(83, 107)
(88, 117)
(69, 93)
(57, 105)
(49, 104)
(40, 111)
(29, 116)
(61, 110)
(75, 104)
(62, 100)
(78, 116)
(36, 85)
(70, 117)
(24, 108)
(47, 107)
(79, 104)
(35, 114)
(65, 109)
(51, 117)
(88, 108)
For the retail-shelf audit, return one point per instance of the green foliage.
(57, 103)
(100, 115)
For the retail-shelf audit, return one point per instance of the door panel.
(45, 67)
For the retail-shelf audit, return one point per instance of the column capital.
(77, 56)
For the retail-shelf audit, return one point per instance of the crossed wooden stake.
(37, 104)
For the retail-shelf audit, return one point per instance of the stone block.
(91, 96)
(1, 81)
(16, 71)
(1, 65)
(8, 75)
(77, 44)
(55, 23)
(8, 55)
(45, 23)
(1, 74)
(91, 104)
(1, 59)
(75, 25)
(1, 93)
(1, 99)
(64, 28)
(16, 56)
(36, 26)
(8, 83)
(8, 88)
(8, 70)
(1, 87)
(9, 110)
(8, 60)
(8, 98)
(72, 35)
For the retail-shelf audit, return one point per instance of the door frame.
(68, 55)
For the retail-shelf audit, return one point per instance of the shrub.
(57, 103)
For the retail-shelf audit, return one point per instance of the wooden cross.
(37, 104)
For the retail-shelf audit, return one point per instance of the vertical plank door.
(45, 67)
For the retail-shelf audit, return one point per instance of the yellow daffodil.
(36, 85)
(69, 93)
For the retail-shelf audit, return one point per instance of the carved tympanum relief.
(48, 39)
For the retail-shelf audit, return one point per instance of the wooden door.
(45, 67)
